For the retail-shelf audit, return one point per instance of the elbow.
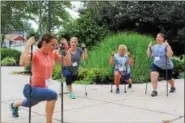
(110, 62)
(21, 63)
(86, 58)
(170, 54)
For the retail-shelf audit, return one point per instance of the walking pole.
(166, 74)
(126, 74)
(111, 90)
(62, 52)
(30, 71)
(149, 65)
(83, 49)
(147, 81)
(30, 84)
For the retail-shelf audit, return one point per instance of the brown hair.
(47, 38)
(161, 34)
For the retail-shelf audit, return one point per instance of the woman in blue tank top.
(161, 52)
(121, 61)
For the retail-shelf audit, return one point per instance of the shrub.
(57, 72)
(178, 66)
(8, 61)
(178, 63)
(15, 54)
(85, 29)
(27, 68)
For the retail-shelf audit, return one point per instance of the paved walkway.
(99, 106)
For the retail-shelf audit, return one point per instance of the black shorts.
(163, 72)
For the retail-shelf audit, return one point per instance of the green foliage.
(98, 70)
(57, 72)
(148, 17)
(27, 68)
(38, 11)
(12, 14)
(85, 29)
(8, 61)
(98, 67)
(178, 64)
(15, 54)
(181, 75)
(93, 75)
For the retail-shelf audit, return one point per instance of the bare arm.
(130, 60)
(65, 59)
(169, 51)
(85, 55)
(111, 60)
(149, 50)
(25, 57)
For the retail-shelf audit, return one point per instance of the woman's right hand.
(30, 41)
(113, 53)
(64, 42)
(150, 44)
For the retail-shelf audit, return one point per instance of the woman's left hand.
(83, 45)
(166, 43)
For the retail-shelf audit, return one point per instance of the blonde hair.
(123, 47)
(74, 38)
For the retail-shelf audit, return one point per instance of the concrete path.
(99, 105)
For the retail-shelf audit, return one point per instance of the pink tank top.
(42, 67)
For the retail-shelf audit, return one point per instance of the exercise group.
(50, 52)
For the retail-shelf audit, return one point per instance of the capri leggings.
(38, 95)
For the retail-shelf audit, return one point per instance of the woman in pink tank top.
(43, 63)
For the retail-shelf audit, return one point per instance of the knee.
(66, 73)
(52, 96)
(116, 74)
(154, 76)
(27, 103)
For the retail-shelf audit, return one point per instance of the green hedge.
(8, 61)
(98, 70)
(178, 67)
(99, 57)
(15, 54)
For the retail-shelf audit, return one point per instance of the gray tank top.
(75, 61)
(159, 57)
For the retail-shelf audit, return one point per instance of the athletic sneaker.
(130, 86)
(14, 111)
(117, 91)
(172, 89)
(154, 93)
(72, 95)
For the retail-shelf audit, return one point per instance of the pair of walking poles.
(125, 83)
